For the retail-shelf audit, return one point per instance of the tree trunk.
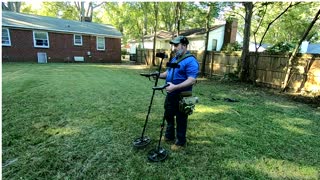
(11, 6)
(290, 62)
(144, 29)
(18, 5)
(178, 16)
(203, 66)
(244, 67)
(156, 8)
(143, 50)
(82, 11)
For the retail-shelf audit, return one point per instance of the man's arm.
(188, 82)
(163, 75)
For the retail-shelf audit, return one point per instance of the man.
(181, 79)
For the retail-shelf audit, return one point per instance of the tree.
(302, 12)
(86, 13)
(211, 11)
(290, 62)
(166, 17)
(156, 12)
(178, 16)
(11, 6)
(64, 10)
(262, 13)
(244, 66)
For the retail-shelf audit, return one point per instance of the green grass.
(78, 121)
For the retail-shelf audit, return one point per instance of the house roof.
(162, 34)
(28, 21)
(166, 35)
(198, 31)
(313, 48)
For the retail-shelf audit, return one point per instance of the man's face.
(177, 47)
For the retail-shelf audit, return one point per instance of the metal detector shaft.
(161, 132)
(153, 92)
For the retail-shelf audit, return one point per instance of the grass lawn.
(78, 121)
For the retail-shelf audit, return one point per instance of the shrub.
(281, 47)
(124, 52)
(230, 47)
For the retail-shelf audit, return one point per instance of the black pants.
(171, 107)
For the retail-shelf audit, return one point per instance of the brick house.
(33, 38)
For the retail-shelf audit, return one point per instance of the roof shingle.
(28, 21)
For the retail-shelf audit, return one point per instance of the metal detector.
(145, 140)
(159, 154)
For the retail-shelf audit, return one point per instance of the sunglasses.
(175, 45)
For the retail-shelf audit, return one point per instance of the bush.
(281, 47)
(230, 47)
(124, 52)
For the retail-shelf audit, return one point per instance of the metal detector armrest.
(161, 87)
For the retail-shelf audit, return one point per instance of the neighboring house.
(33, 38)
(313, 48)
(163, 38)
(218, 36)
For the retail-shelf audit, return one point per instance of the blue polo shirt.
(189, 67)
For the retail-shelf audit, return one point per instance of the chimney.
(230, 32)
(86, 19)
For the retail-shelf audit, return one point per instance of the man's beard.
(179, 53)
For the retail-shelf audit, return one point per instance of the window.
(77, 40)
(40, 39)
(100, 43)
(6, 37)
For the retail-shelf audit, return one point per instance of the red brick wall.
(61, 48)
(230, 32)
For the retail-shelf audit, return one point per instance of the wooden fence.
(271, 68)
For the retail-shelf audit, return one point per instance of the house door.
(42, 57)
(214, 44)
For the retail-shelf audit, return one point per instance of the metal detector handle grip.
(150, 74)
(161, 87)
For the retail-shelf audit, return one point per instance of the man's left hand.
(171, 87)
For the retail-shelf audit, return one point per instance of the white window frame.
(74, 40)
(35, 42)
(104, 43)
(8, 36)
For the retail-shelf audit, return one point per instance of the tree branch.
(269, 25)
(289, 66)
(98, 5)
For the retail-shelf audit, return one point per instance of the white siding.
(217, 34)
(196, 44)
(199, 43)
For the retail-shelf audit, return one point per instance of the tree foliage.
(63, 9)
(288, 28)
